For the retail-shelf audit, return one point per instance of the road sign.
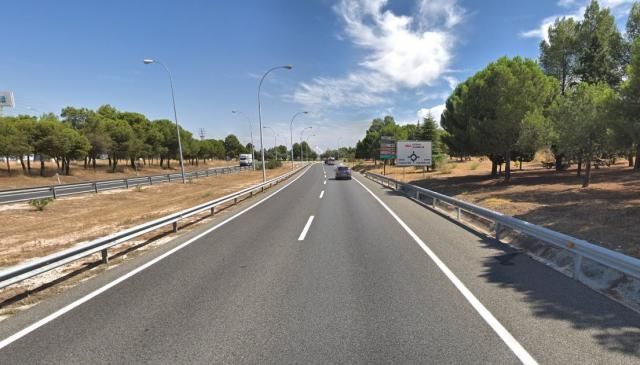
(6, 99)
(387, 148)
(413, 153)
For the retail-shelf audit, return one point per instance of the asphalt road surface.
(372, 278)
(18, 195)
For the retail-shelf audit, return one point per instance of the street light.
(291, 131)
(253, 157)
(175, 114)
(275, 140)
(286, 67)
(301, 133)
(309, 137)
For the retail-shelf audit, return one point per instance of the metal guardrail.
(55, 191)
(580, 249)
(21, 272)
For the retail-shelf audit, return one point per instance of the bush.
(271, 164)
(40, 204)
(474, 165)
(138, 188)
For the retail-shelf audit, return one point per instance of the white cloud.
(400, 52)
(435, 112)
(618, 8)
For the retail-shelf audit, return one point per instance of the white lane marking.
(25, 331)
(497, 327)
(325, 182)
(303, 234)
(321, 194)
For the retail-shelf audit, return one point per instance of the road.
(18, 195)
(371, 278)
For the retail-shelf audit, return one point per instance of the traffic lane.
(368, 294)
(206, 303)
(557, 319)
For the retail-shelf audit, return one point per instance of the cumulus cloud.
(435, 112)
(400, 52)
(576, 11)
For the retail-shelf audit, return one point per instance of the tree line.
(123, 137)
(581, 100)
(369, 146)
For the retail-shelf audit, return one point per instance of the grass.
(474, 165)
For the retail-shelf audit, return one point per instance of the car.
(330, 161)
(343, 173)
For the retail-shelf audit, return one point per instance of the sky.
(353, 60)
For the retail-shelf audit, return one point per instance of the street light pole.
(291, 133)
(286, 67)
(275, 140)
(253, 157)
(175, 114)
(301, 140)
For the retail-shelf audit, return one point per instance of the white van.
(246, 159)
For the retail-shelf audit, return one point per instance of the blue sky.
(353, 60)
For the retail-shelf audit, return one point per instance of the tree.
(12, 142)
(601, 47)
(633, 23)
(558, 56)
(630, 125)
(121, 135)
(232, 146)
(429, 131)
(581, 121)
(490, 109)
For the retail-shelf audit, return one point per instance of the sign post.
(387, 151)
(6, 100)
(413, 153)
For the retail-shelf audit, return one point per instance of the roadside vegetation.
(581, 102)
(124, 139)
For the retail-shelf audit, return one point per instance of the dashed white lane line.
(303, 234)
(321, 194)
(497, 327)
(325, 182)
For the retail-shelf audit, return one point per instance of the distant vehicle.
(343, 173)
(330, 161)
(246, 159)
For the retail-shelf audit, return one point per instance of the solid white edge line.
(25, 331)
(303, 234)
(321, 194)
(497, 327)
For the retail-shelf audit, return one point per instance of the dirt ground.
(27, 233)
(606, 213)
(18, 179)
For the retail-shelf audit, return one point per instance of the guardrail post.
(417, 194)
(53, 190)
(235, 200)
(458, 213)
(498, 228)
(577, 267)
(197, 174)
(207, 172)
(434, 203)
(105, 256)
(95, 187)
(126, 184)
(150, 183)
(175, 227)
(213, 210)
(169, 177)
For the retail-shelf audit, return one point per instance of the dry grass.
(27, 233)
(17, 179)
(606, 213)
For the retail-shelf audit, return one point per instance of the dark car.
(343, 173)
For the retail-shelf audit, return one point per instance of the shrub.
(474, 165)
(40, 204)
(138, 188)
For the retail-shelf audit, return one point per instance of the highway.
(19, 195)
(324, 271)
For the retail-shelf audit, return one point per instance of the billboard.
(413, 153)
(6, 99)
(387, 148)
